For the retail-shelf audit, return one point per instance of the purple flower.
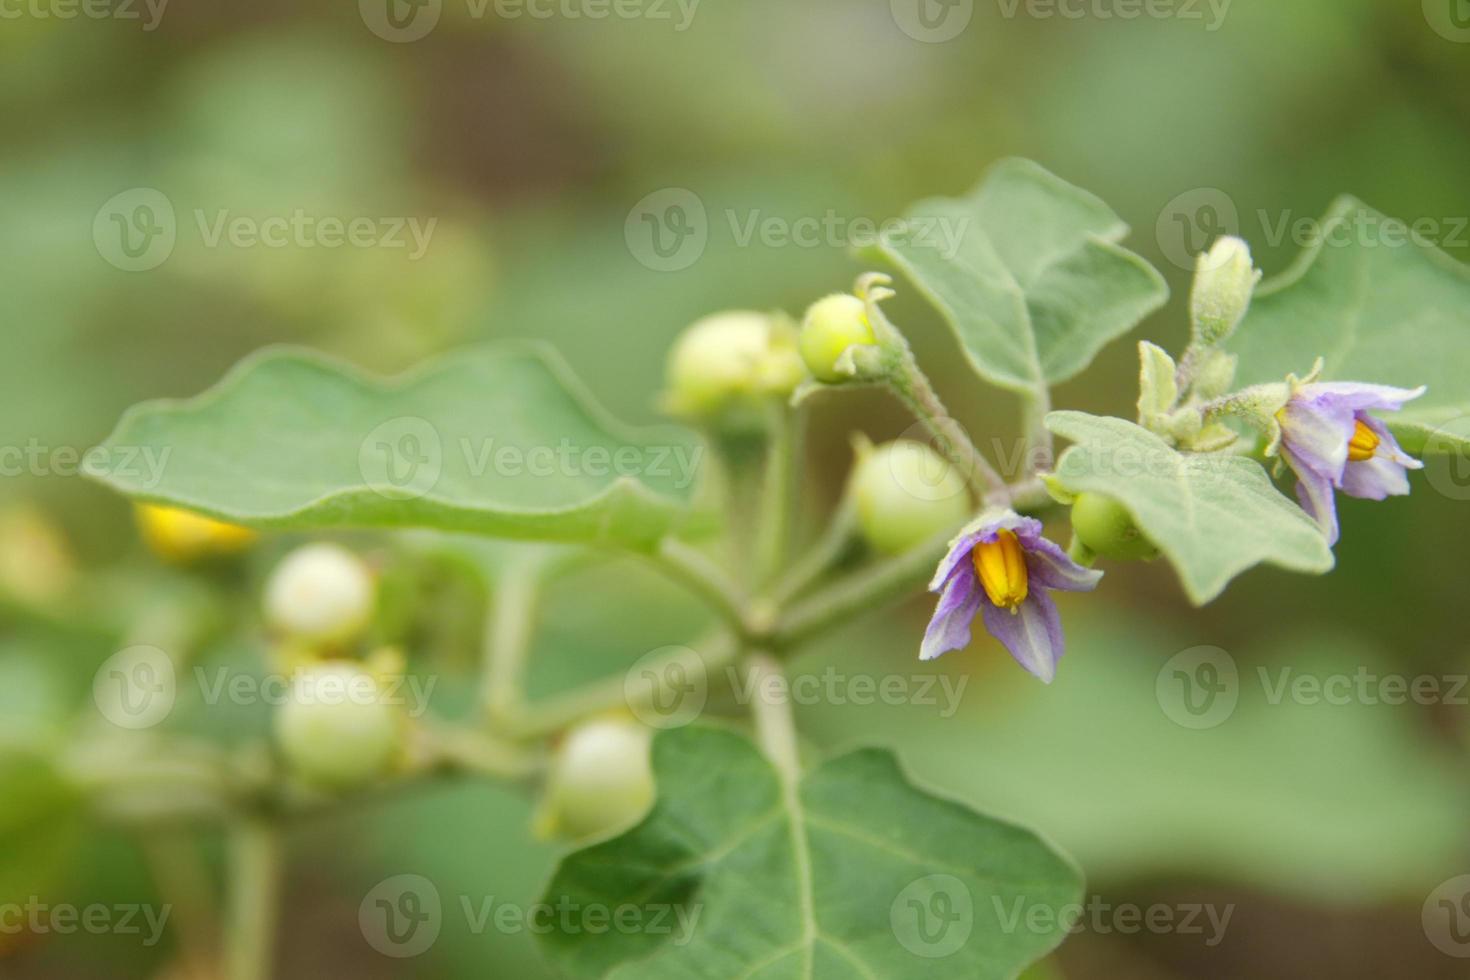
(1332, 443)
(1002, 568)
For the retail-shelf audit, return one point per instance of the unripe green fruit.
(831, 326)
(730, 358)
(337, 730)
(600, 781)
(906, 493)
(1106, 528)
(320, 593)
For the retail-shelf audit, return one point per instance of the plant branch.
(507, 642)
(254, 899)
(775, 728)
(862, 591)
(692, 569)
(626, 692)
(911, 386)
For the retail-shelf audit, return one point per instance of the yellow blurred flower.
(183, 536)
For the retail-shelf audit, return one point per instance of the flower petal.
(1314, 490)
(949, 629)
(1358, 397)
(1033, 633)
(984, 528)
(1316, 429)
(1051, 567)
(956, 557)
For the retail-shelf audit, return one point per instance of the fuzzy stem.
(911, 386)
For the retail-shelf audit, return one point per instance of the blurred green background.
(530, 143)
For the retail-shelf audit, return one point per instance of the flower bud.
(906, 493)
(320, 593)
(601, 780)
(832, 325)
(1224, 282)
(1105, 527)
(337, 730)
(731, 360)
(183, 536)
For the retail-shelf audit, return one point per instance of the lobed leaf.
(1378, 306)
(853, 873)
(1028, 273)
(1212, 515)
(499, 440)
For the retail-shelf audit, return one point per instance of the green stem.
(508, 642)
(829, 549)
(911, 386)
(624, 692)
(695, 571)
(778, 493)
(1040, 445)
(254, 892)
(860, 592)
(775, 728)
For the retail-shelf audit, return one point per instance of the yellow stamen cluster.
(1363, 444)
(1001, 565)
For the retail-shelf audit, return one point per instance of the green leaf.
(1365, 808)
(1028, 273)
(499, 440)
(853, 873)
(40, 822)
(1378, 307)
(1212, 515)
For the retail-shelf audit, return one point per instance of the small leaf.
(1028, 273)
(499, 440)
(1212, 515)
(1158, 390)
(853, 873)
(1378, 307)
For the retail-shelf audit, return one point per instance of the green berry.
(337, 730)
(730, 360)
(906, 493)
(320, 593)
(1105, 527)
(831, 326)
(601, 780)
